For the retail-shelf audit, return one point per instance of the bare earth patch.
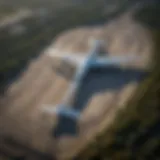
(102, 95)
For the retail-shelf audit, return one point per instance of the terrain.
(41, 31)
(23, 122)
(134, 134)
(39, 35)
(27, 132)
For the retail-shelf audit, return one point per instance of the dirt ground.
(27, 131)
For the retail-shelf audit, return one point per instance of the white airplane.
(85, 63)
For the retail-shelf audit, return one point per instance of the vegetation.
(135, 133)
(6, 10)
(16, 51)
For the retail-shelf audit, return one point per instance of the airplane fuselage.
(85, 66)
(82, 69)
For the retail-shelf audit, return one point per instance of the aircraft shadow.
(96, 81)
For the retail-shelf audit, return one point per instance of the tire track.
(34, 88)
(19, 86)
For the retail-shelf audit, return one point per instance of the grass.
(17, 51)
(135, 132)
(6, 11)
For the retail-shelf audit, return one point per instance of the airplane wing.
(76, 58)
(114, 60)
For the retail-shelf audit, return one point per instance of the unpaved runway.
(103, 93)
(24, 120)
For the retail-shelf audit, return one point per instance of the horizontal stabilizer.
(62, 111)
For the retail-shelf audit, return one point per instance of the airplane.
(85, 63)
